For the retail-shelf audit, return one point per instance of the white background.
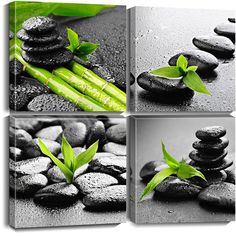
(122, 229)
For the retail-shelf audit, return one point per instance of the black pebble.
(210, 133)
(232, 20)
(42, 39)
(39, 24)
(51, 102)
(15, 67)
(49, 60)
(39, 48)
(11, 35)
(131, 78)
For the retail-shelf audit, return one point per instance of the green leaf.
(73, 39)
(83, 57)
(182, 62)
(167, 72)
(86, 156)
(157, 179)
(186, 171)
(67, 172)
(194, 82)
(192, 68)
(86, 48)
(67, 152)
(170, 161)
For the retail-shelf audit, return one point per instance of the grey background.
(157, 34)
(178, 134)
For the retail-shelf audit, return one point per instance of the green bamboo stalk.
(105, 86)
(89, 89)
(60, 87)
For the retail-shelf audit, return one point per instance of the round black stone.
(49, 60)
(232, 20)
(42, 39)
(211, 133)
(15, 67)
(208, 160)
(51, 102)
(163, 87)
(211, 146)
(39, 24)
(225, 163)
(39, 48)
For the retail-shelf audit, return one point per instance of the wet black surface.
(178, 134)
(159, 34)
(109, 30)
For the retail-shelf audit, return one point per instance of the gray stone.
(75, 134)
(50, 133)
(117, 133)
(108, 199)
(77, 151)
(226, 29)
(176, 188)
(210, 133)
(103, 154)
(211, 147)
(91, 182)
(59, 194)
(115, 148)
(114, 165)
(27, 185)
(214, 44)
(205, 61)
(113, 121)
(219, 195)
(151, 168)
(19, 137)
(32, 149)
(15, 154)
(31, 166)
(55, 175)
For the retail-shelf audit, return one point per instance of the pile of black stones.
(100, 185)
(210, 158)
(210, 48)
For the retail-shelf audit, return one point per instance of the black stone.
(205, 61)
(39, 25)
(131, 79)
(210, 133)
(49, 60)
(40, 39)
(211, 146)
(15, 67)
(215, 44)
(43, 48)
(19, 137)
(15, 154)
(122, 178)
(230, 176)
(117, 133)
(164, 87)
(113, 165)
(208, 160)
(51, 102)
(51, 132)
(175, 188)
(107, 199)
(151, 168)
(11, 35)
(225, 163)
(57, 195)
(232, 20)
(115, 148)
(226, 29)
(91, 182)
(219, 195)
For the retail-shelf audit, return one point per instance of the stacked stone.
(42, 44)
(210, 153)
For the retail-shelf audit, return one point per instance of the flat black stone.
(39, 25)
(43, 39)
(211, 146)
(53, 59)
(15, 67)
(164, 87)
(232, 20)
(226, 29)
(211, 133)
(215, 44)
(208, 160)
(205, 61)
(225, 163)
(40, 48)
(51, 102)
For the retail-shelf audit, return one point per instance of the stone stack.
(210, 153)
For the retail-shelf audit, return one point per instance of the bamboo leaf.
(86, 156)
(73, 39)
(192, 68)
(68, 153)
(86, 48)
(168, 72)
(67, 172)
(182, 62)
(170, 161)
(157, 179)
